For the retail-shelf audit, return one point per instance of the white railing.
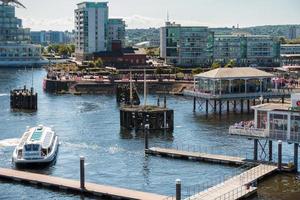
(251, 132)
(276, 93)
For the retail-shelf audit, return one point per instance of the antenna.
(168, 16)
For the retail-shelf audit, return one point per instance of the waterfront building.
(91, 20)
(245, 50)
(292, 32)
(286, 49)
(94, 31)
(186, 45)
(233, 81)
(15, 45)
(116, 32)
(51, 37)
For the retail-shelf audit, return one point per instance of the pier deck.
(174, 153)
(73, 185)
(236, 187)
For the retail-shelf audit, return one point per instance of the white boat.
(38, 145)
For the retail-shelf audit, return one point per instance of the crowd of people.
(245, 124)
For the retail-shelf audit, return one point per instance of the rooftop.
(234, 73)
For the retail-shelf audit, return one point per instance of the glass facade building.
(186, 46)
(15, 44)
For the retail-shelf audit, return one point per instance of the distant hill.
(141, 35)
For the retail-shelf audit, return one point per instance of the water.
(88, 126)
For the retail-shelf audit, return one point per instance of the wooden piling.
(255, 156)
(82, 176)
(296, 146)
(178, 189)
(270, 150)
(279, 165)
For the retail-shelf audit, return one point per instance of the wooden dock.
(236, 187)
(74, 186)
(197, 156)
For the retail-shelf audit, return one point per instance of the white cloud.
(135, 21)
(60, 24)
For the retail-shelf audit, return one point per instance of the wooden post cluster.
(23, 99)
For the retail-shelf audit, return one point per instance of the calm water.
(89, 126)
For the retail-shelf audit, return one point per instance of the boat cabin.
(36, 143)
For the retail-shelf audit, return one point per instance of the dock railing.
(215, 150)
(190, 191)
(250, 132)
(271, 94)
(293, 137)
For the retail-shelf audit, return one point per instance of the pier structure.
(75, 186)
(23, 99)
(273, 122)
(227, 88)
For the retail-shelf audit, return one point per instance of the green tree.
(231, 63)
(98, 63)
(215, 65)
(197, 71)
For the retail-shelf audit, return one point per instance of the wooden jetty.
(174, 153)
(237, 187)
(75, 186)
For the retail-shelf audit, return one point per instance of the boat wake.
(9, 142)
(3, 94)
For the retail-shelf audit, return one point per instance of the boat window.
(35, 147)
(28, 147)
(261, 119)
(278, 126)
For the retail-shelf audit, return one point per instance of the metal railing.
(224, 151)
(272, 94)
(251, 132)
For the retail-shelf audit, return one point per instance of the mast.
(130, 84)
(145, 88)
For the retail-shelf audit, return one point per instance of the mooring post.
(82, 185)
(268, 100)
(228, 107)
(165, 101)
(270, 150)
(206, 106)
(296, 145)
(248, 105)
(282, 100)
(279, 155)
(255, 149)
(220, 107)
(146, 136)
(158, 103)
(178, 189)
(234, 105)
(254, 102)
(194, 105)
(215, 106)
(242, 105)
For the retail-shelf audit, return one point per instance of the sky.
(59, 14)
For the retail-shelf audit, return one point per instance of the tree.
(98, 63)
(215, 65)
(231, 63)
(197, 71)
